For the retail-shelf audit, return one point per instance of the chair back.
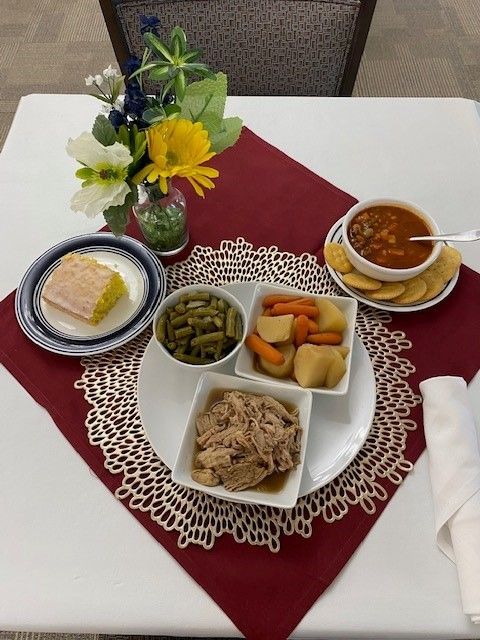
(266, 47)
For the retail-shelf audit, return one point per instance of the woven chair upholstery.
(267, 47)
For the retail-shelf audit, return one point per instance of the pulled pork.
(244, 438)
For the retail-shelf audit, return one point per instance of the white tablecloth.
(71, 557)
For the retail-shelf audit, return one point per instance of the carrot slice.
(269, 301)
(325, 338)
(264, 349)
(313, 327)
(284, 308)
(301, 330)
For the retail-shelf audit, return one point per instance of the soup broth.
(381, 235)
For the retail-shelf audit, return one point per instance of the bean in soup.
(381, 235)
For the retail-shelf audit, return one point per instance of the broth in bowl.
(381, 233)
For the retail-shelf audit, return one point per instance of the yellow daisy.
(178, 147)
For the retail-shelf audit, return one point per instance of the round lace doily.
(109, 384)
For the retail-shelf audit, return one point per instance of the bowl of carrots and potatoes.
(297, 338)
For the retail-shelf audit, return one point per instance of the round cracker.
(447, 263)
(359, 281)
(435, 285)
(336, 257)
(387, 291)
(415, 288)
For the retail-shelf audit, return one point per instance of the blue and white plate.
(335, 235)
(57, 331)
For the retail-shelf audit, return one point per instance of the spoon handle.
(464, 236)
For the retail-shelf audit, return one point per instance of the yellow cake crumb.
(84, 288)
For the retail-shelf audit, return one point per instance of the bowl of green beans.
(200, 326)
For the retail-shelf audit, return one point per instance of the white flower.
(104, 174)
(89, 80)
(109, 72)
(98, 79)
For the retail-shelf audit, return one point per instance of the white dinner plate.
(59, 332)
(335, 235)
(338, 426)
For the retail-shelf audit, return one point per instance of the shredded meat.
(244, 438)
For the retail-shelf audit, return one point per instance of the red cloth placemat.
(259, 196)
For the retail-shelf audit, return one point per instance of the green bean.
(218, 322)
(238, 328)
(230, 323)
(204, 311)
(180, 350)
(184, 357)
(183, 332)
(208, 338)
(195, 351)
(161, 328)
(195, 295)
(200, 322)
(171, 346)
(214, 302)
(170, 332)
(211, 350)
(222, 305)
(180, 308)
(172, 315)
(194, 304)
(180, 320)
(218, 350)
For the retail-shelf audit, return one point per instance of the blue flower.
(116, 118)
(131, 65)
(135, 100)
(149, 24)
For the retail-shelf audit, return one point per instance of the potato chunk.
(280, 371)
(330, 318)
(336, 370)
(275, 328)
(311, 364)
(343, 351)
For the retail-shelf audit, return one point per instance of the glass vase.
(162, 219)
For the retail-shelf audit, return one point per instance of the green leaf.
(167, 88)
(180, 85)
(179, 34)
(153, 115)
(227, 135)
(191, 56)
(123, 135)
(157, 46)
(118, 217)
(104, 131)
(137, 156)
(160, 73)
(204, 102)
(171, 109)
(142, 69)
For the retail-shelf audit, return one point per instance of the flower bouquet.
(141, 141)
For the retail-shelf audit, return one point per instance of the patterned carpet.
(415, 48)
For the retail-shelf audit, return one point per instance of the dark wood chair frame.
(362, 27)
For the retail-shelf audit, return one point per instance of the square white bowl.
(287, 496)
(244, 365)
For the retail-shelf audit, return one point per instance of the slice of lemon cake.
(84, 288)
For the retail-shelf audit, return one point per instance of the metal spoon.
(463, 236)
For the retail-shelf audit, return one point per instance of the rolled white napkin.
(454, 462)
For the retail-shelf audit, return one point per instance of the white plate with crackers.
(424, 291)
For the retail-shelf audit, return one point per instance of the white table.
(71, 557)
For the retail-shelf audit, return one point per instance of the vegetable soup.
(381, 235)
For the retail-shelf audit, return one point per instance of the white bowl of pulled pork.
(245, 441)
